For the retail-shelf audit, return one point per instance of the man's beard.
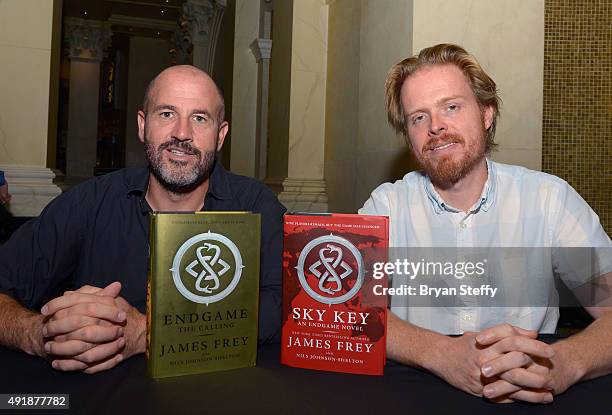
(448, 170)
(179, 176)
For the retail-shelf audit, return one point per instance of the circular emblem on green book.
(202, 268)
(335, 269)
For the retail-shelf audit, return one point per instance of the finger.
(499, 388)
(78, 310)
(108, 364)
(524, 344)
(70, 348)
(83, 315)
(68, 365)
(532, 396)
(515, 380)
(526, 379)
(90, 300)
(85, 289)
(505, 362)
(101, 351)
(105, 332)
(496, 333)
(538, 368)
(67, 325)
(95, 334)
(112, 290)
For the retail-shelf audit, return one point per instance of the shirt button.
(467, 317)
(463, 225)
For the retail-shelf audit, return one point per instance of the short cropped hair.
(482, 85)
(220, 115)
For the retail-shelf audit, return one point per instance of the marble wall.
(244, 95)
(507, 38)
(280, 88)
(342, 104)
(25, 69)
(27, 55)
(361, 149)
(307, 97)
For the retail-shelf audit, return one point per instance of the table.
(272, 388)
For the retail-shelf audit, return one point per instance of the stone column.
(86, 41)
(305, 189)
(27, 52)
(243, 153)
(262, 50)
(203, 21)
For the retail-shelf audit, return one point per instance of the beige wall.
(361, 150)
(244, 94)
(148, 57)
(25, 67)
(280, 88)
(342, 109)
(365, 40)
(507, 38)
(307, 97)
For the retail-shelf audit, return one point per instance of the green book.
(202, 293)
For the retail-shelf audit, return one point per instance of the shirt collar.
(218, 186)
(136, 182)
(486, 198)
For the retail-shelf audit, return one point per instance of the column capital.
(86, 39)
(262, 49)
(201, 21)
(199, 17)
(181, 48)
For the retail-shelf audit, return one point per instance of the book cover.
(332, 318)
(202, 293)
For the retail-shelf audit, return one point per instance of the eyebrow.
(173, 108)
(438, 102)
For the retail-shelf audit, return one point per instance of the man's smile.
(443, 146)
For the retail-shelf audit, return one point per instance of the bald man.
(91, 243)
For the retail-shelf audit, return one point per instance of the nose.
(437, 125)
(182, 129)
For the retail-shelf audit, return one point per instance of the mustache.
(441, 140)
(180, 145)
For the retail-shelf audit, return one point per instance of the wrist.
(435, 357)
(137, 344)
(33, 342)
(568, 367)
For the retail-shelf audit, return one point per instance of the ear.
(488, 115)
(223, 129)
(140, 118)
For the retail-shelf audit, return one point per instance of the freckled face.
(181, 130)
(446, 126)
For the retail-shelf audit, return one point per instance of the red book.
(333, 318)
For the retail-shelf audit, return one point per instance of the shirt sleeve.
(42, 254)
(270, 285)
(377, 203)
(2, 179)
(582, 249)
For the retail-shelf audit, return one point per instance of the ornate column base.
(32, 189)
(304, 195)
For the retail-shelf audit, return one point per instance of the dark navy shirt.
(98, 232)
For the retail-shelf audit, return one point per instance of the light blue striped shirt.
(517, 208)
